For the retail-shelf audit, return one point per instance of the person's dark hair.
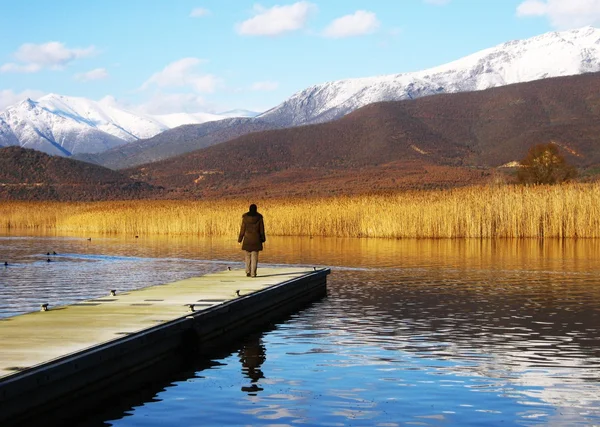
(253, 209)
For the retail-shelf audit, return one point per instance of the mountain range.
(548, 55)
(75, 126)
(552, 54)
(439, 141)
(65, 126)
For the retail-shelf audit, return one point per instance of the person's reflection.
(252, 355)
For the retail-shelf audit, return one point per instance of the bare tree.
(544, 164)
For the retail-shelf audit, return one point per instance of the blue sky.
(160, 56)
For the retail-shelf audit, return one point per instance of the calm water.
(433, 333)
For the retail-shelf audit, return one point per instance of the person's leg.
(247, 259)
(254, 262)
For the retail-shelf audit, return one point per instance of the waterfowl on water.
(89, 239)
(48, 260)
(5, 264)
(54, 253)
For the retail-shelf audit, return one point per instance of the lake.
(412, 332)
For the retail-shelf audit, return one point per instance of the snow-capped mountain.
(65, 125)
(549, 55)
(39, 125)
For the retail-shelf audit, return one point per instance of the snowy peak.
(31, 125)
(114, 121)
(548, 55)
(64, 125)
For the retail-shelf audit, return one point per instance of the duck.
(5, 264)
(48, 260)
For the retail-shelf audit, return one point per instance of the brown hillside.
(32, 175)
(442, 140)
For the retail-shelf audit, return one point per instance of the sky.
(172, 56)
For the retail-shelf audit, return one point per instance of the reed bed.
(564, 211)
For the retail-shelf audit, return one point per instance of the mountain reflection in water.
(421, 332)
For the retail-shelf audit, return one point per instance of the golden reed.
(562, 211)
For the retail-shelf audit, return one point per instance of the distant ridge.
(173, 142)
(27, 174)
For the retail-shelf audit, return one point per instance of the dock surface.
(58, 364)
(32, 339)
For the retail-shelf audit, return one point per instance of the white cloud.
(265, 86)
(199, 12)
(357, 24)
(563, 14)
(531, 8)
(54, 55)
(277, 19)
(8, 97)
(183, 73)
(95, 74)
(168, 103)
(11, 67)
(111, 101)
(163, 103)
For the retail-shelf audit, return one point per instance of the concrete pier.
(70, 358)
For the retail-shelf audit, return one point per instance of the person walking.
(252, 233)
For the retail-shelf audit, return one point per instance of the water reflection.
(523, 341)
(412, 332)
(252, 355)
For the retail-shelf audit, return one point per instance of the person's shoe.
(247, 274)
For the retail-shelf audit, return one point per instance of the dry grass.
(566, 211)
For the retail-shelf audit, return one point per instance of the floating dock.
(69, 358)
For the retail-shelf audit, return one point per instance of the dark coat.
(252, 232)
